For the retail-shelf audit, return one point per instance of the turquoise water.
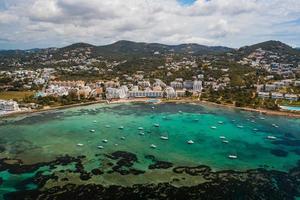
(41, 137)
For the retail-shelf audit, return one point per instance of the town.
(259, 79)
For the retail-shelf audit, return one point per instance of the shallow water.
(43, 137)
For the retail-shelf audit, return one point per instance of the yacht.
(100, 147)
(107, 126)
(123, 138)
(141, 133)
(156, 125)
(164, 138)
(213, 127)
(255, 129)
(121, 127)
(232, 156)
(270, 137)
(222, 137)
(240, 126)
(140, 128)
(225, 141)
(276, 126)
(92, 131)
(79, 144)
(105, 141)
(220, 122)
(190, 142)
(95, 121)
(153, 146)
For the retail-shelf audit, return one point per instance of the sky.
(26, 24)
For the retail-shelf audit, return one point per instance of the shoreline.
(160, 101)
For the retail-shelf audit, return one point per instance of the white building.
(197, 86)
(117, 93)
(264, 94)
(148, 93)
(170, 92)
(276, 95)
(270, 87)
(177, 85)
(188, 85)
(8, 105)
(291, 97)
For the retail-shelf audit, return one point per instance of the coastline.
(161, 101)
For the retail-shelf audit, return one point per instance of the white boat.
(153, 146)
(95, 121)
(140, 128)
(107, 126)
(270, 137)
(240, 126)
(121, 127)
(141, 133)
(262, 118)
(100, 147)
(153, 107)
(156, 125)
(105, 141)
(232, 156)
(225, 141)
(276, 126)
(222, 137)
(213, 127)
(79, 144)
(190, 142)
(92, 131)
(116, 144)
(220, 122)
(164, 138)
(180, 111)
(123, 138)
(255, 129)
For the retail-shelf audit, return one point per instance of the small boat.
(105, 141)
(79, 144)
(222, 137)
(156, 125)
(180, 111)
(100, 147)
(123, 138)
(220, 122)
(95, 121)
(116, 144)
(164, 138)
(92, 131)
(213, 127)
(121, 127)
(141, 133)
(276, 126)
(232, 156)
(140, 128)
(225, 141)
(240, 126)
(252, 121)
(270, 137)
(262, 118)
(190, 142)
(255, 129)
(153, 146)
(233, 120)
(107, 126)
(196, 120)
(153, 107)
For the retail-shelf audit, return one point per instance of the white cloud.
(31, 23)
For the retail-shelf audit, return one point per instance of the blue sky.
(28, 24)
